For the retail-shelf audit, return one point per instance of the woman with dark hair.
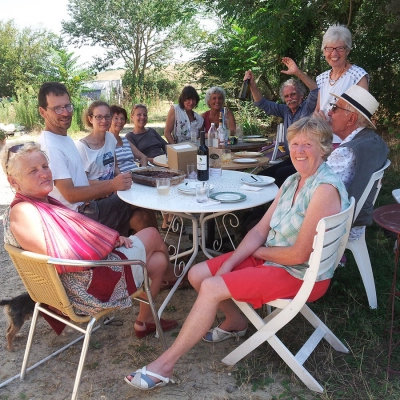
(125, 151)
(181, 118)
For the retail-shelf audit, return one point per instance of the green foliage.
(64, 68)
(257, 33)
(26, 109)
(142, 33)
(24, 56)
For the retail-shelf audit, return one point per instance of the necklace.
(333, 81)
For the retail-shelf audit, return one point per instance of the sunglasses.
(14, 149)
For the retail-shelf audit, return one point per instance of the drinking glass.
(192, 172)
(226, 156)
(163, 185)
(202, 192)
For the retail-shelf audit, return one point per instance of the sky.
(46, 14)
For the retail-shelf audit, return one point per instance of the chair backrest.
(279, 139)
(372, 189)
(328, 248)
(42, 281)
(396, 195)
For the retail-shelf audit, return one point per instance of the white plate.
(251, 136)
(228, 197)
(190, 187)
(257, 180)
(245, 160)
(248, 154)
(256, 140)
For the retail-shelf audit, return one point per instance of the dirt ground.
(115, 352)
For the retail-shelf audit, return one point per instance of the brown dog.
(18, 310)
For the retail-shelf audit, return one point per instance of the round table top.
(161, 161)
(177, 201)
(388, 217)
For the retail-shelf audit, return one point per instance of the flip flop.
(140, 380)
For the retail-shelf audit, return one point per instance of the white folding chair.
(396, 195)
(359, 247)
(328, 247)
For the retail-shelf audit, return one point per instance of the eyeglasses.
(334, 107)
(339, 49)
(100, 117)
(59, 109)
(14, 149)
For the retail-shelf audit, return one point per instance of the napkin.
(210, 202)
(251, 188)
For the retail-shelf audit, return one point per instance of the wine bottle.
(244, 93)
(202, 159)
(212, 136)
(221, 131)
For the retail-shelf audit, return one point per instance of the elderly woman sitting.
(36, 222)
(272, 259)
(215, 99)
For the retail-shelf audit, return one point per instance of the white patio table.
(186, 206)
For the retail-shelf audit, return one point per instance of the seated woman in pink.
(36, 222)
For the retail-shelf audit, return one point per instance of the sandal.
(219, 335)
(150, 327)
(140, 380)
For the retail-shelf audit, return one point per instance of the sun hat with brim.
(361, 100)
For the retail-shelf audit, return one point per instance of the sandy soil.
(114, 352)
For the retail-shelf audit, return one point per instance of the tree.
(64, 68)
(24, 56)
(260, 32)
(141, 32)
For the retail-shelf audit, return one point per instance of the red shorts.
(255, 283)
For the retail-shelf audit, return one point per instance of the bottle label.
(202, 162)
(215, 142)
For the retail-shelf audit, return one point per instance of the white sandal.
(219, 335)
(140, 380)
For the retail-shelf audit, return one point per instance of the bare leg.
(157, 263)
(212, 292)
(142, 218)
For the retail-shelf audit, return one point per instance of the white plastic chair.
(396, 195)
(328, 247)
(359, 247)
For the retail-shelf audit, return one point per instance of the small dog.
(18, 310)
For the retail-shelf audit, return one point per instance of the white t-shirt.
(99, 163)
(65, 163)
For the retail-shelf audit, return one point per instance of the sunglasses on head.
(14, 149)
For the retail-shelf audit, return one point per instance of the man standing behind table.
(97, 200)
(292, 92)
(361, 152)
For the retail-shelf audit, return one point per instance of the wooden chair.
(328, 247)
(359, 247)
(43, 284)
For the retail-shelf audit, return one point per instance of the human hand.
(248, 75)
(293, 69)
(123, 241)
(122, 181)
(225, 268)
(321, 115)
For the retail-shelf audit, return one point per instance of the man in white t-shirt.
(98, 199)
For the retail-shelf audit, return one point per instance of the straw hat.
(361, 100)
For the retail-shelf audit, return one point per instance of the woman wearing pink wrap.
(36, 222)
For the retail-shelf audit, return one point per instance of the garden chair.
(359, 247)
(328, 247)
(44, 286)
